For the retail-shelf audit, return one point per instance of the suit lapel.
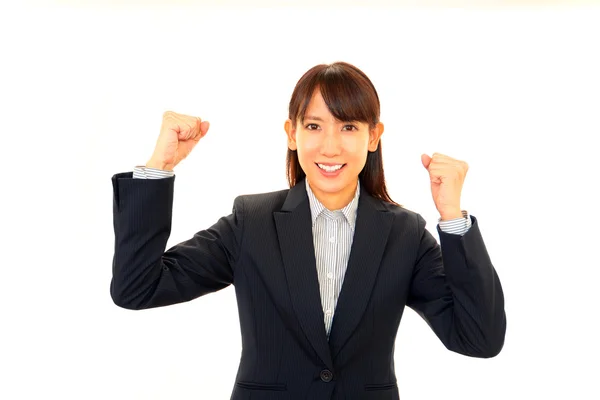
(294, 231)
(373, 224)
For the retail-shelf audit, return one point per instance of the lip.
(331, 174)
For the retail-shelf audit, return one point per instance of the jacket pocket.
(261, 386)
(381, 386)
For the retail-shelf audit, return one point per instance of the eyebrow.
(315, 118)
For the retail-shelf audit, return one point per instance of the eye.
(350, 127)
(312, 127)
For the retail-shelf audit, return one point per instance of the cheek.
(307, 146)
(305, 154)
(356, 147)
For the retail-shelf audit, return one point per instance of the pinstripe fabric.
(141, 172)
(333, 232)
(264, 248)
(332, 237)
(457, 226)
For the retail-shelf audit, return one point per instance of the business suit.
(265, 249)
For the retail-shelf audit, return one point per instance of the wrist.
(159, 165)
(446, 216)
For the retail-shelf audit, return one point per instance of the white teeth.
(330, 168)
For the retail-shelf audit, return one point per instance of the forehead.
(317, 108)
(317, 102)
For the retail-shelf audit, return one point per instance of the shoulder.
(265, 202)
(403, 216)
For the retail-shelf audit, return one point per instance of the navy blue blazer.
(265, 249)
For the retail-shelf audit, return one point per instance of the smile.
(330, 168)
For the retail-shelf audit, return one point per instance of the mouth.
(330, 169)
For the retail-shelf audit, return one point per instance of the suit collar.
(298, 194)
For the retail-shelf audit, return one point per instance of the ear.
(374, 136)
(291, 134)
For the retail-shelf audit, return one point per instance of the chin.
(328, 185)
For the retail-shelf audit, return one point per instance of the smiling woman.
(334, 134)
(323, 270)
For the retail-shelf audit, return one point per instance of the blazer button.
(326, 375)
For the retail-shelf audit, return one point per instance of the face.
(332, 153)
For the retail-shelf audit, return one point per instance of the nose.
(331, 145)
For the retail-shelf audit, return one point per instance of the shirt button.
(332, 239)
(326, 375)
(328, 312)
(330, 275)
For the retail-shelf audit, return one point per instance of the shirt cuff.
(142, 172)
(456, 226)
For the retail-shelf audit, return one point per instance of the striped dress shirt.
(333, 232)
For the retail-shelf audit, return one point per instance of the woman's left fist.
(447, 176)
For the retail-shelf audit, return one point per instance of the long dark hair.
(350, 96)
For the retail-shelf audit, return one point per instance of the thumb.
(200, 133)
(204, 127)
(426, 160)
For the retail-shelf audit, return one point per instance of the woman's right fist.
(179, 134)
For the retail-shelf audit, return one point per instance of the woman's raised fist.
(179, 134)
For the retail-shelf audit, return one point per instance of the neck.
(335, 201)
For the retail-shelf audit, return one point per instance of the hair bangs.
(348, 93)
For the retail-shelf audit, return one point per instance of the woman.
(324, 270)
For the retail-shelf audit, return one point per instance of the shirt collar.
(317, 208)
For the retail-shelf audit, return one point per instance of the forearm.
(456, 290)
(479, 320)
(142, 214)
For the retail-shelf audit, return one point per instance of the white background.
(512, 90)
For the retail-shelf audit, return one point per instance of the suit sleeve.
(144, 274)
(456, 289)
